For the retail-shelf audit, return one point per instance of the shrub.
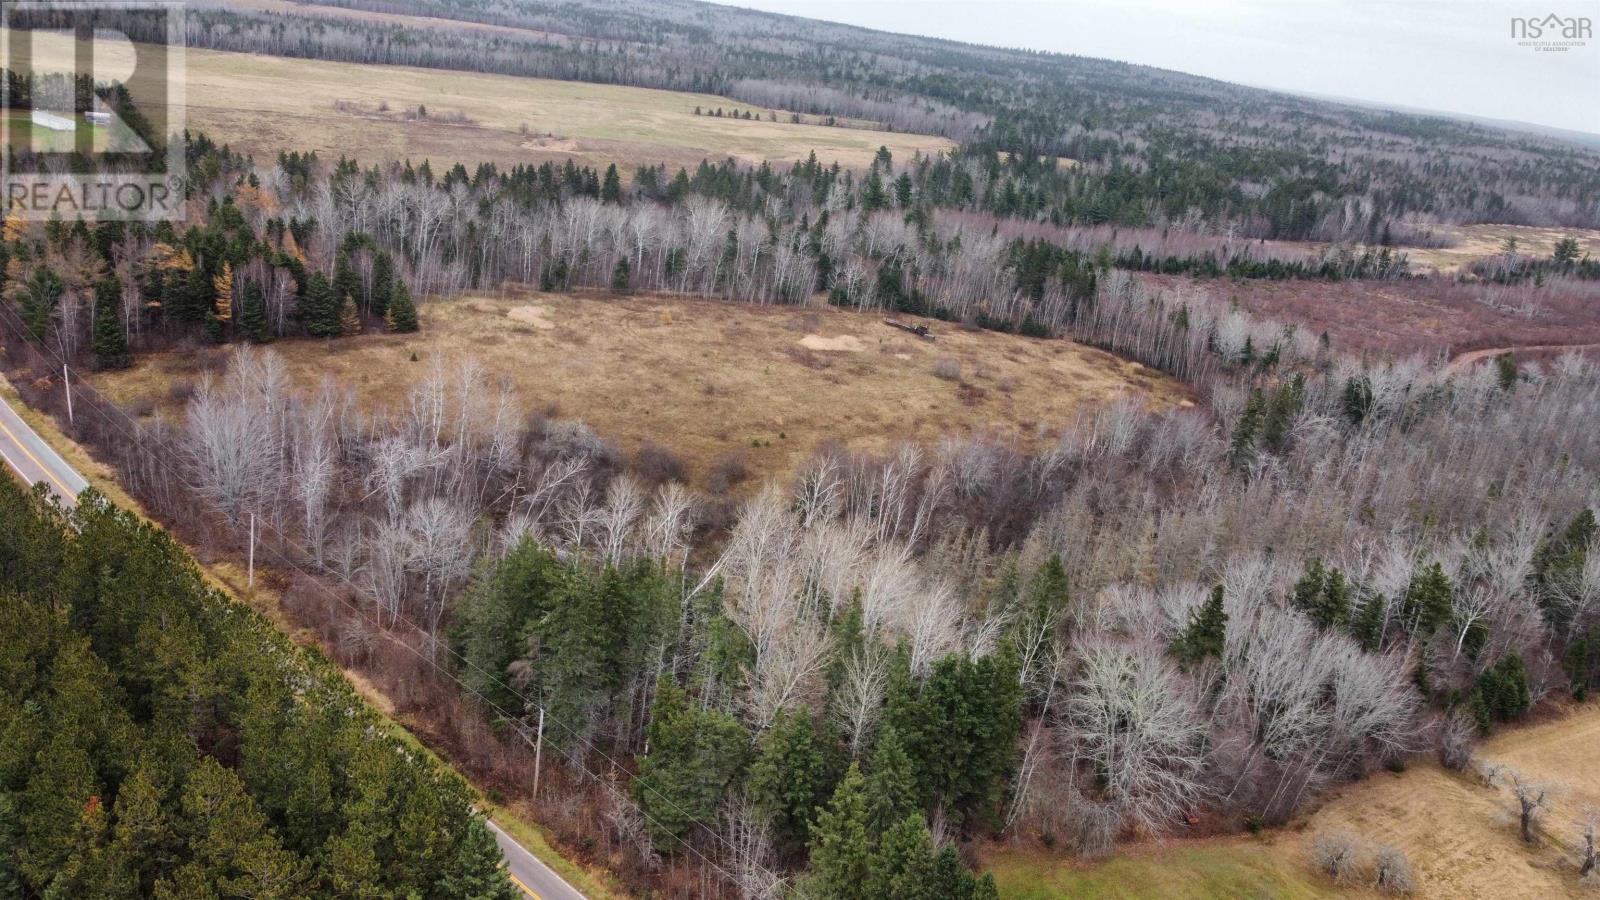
(947, 368)
(1393, 872)
(1336, 854)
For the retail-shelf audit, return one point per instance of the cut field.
(1460, 835)
(266, 104)
(710, 380)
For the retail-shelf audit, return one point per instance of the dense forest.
(1152, 147)
(838, 684)
(160, 740)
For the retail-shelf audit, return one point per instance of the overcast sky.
(1445, 55)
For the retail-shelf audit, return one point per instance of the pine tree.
(402, 312)
(320, 309)
(109, 342)
(695, 754)
(1426, 603)
(841, 850)
(1242, 445)
(611, 190)
(1207, 631)
(253, 317)
(621, 276)
(1367, 625)
(382, 284)
(904, 864)
(789, 777)
(891, 782)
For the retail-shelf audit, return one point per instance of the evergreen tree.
(611, 189)
(382, 284)
(873, 196)
(621, 276)
(1242, 444)
(109, 342)
(695, 755)
(1323, 595)
(891, 785)
(253, 316)
(841, 849)
(1426, 603)
(1207, 631)
(789, 777)
(1367, 625)
(402, 312)
(320, 309)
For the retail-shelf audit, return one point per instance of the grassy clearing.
(1230, 869)
(707, 380)
(1459, 834)
(1477, 241)
(265, 104)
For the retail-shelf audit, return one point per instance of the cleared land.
(1416, 315)
(1460, 834)
(1477, 241)
(711, 380)
(266, 104)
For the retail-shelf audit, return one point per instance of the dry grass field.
(1477, 241)
(265, 104)
(708, 380)
(1460, 835)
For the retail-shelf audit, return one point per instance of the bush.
(656, 465)
(1336, 854)
(727, 472)
(947, 368)
(1393, 873)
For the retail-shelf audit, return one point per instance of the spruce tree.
(841, 848)
(789, 777)
(611, 190)
(891, 782)
(253, 316)
(1367, 625)
(320, 308)
(382, 284)
(1207, 631)
(109, 342)
(621, 276)
(402, 312)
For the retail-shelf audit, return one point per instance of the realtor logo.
(91, 109)
(1552, 33)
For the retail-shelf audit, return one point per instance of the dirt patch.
(537, 316)
(844, 343)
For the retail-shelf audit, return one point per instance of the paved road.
(30, 457)
(536, 879)
(35, 461)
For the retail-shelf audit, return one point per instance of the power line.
(400, 616)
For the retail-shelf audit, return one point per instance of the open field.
(1419, 315)
(1477, 241)
(708, 380)
(1460, 835)
(266, 104)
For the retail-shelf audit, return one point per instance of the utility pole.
(538, 755)
(66, 378)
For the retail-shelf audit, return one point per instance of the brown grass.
(264, 104)
(1477, 241)
(707, 380)
(1458, 833)
(1428, 315)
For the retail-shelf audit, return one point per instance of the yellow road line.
(525, 889)
(65, 491)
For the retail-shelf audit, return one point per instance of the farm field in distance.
(705, 379)
(263, 105)
(1460, 834)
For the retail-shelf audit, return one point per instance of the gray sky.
(1445, 56)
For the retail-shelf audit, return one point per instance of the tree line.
(161, 740)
